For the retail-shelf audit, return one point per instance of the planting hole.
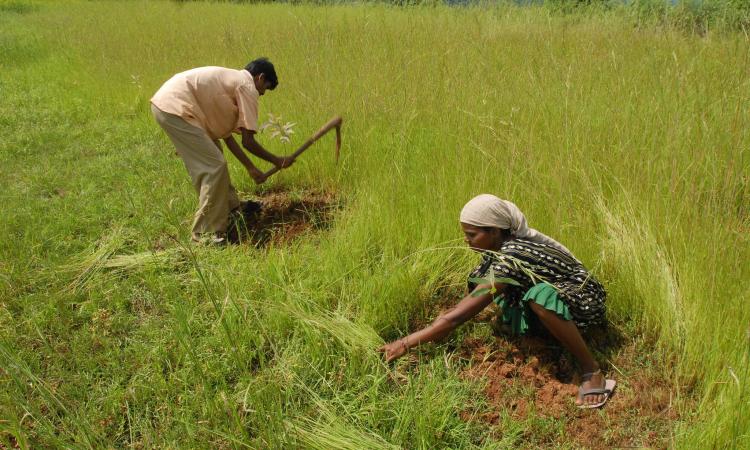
(277, 217)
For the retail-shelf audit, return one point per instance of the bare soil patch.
(278, 217)
(533, 378)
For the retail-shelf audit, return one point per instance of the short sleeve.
(247, 109)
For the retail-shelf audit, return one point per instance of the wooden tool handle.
(331, 124)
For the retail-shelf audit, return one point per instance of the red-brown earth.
(283, 216)
(533, 379)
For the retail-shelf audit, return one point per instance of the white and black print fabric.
(529, 263)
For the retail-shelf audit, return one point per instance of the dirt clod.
(530, 375)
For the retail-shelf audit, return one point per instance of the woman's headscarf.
(486, 210)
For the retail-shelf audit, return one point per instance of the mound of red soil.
(527, 360)
(534, 378)
(278, 217)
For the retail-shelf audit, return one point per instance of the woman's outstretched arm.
(467, 308)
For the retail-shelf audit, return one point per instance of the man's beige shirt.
(216, 99)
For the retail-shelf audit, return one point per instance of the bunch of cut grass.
(93, 261)
(351, 335)
(330, 430)
(103, 257)
(335, 434)
(150, 260)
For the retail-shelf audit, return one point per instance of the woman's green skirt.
(520, 318)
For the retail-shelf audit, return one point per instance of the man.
(197, 108)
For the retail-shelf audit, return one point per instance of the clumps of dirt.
(278, 217)
(512, 366)
(533, 376)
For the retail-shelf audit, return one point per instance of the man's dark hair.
(264, 66)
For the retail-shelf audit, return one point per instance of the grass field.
(629, 144)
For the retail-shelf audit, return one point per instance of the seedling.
(334, 123)
(491, 279)
(278, 129)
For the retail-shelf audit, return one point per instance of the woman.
(536, 282)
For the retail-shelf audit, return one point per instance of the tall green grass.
(692, 16)
(628, 144)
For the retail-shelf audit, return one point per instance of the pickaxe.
(331, 124)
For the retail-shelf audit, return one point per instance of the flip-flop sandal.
(607, 390)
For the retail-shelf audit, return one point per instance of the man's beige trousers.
(207, 167)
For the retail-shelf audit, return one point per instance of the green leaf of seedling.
(480, 292)
(504, 280)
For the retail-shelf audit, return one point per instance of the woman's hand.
(442, 326)
(394, 350)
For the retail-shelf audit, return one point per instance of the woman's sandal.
(607, 390)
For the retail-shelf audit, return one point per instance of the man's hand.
(284, 162)
(248, 140)
(257, 176)
(394, 350)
